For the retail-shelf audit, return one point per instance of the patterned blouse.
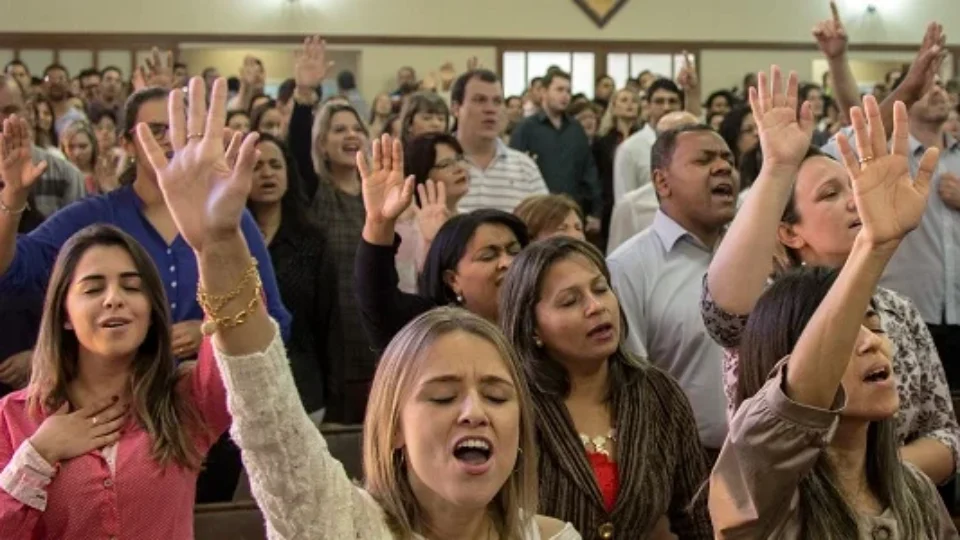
(926, 408)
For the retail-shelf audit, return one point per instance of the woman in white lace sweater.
(448, 447)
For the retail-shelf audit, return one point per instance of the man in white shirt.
(635, 210)
(658, 273)
(631, 163)
(500, 177)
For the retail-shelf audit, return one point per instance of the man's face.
(557, 95)
(112, 85)
(662, 102)
(57, 84)
(934, 107)
(90, 87)
(481, 112)
(406, 78)
(21, 74)
(700, 181)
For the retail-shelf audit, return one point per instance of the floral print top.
(926, 408)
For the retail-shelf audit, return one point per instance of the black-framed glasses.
(459, 159)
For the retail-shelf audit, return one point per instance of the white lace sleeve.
(301, 489)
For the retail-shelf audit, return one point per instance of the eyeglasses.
(157, 129)
(450, 162)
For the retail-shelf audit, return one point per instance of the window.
(521, 66)
(623, 66)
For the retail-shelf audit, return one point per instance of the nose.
(113, 298)
(868, 341)
(594, 305)
(721, 167)
(473, 413)
(506, 259)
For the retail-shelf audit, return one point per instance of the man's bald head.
(676, 120)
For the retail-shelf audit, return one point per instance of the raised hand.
(17, 170)
(249, 72)
(890, 203)
(924, 70)
(687, 78)
(784, 137)
(206, 197)
(386, 194)
(433, 208)
(831, 36)
(64, 435)
(312, 66)
(157, 70)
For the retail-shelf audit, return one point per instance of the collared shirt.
(117, 492)
(509, 179)
(176, 263)
(564, 156)
(631, 163)
(657, 276)
(926, 266)
(632, 214)
(59, 185)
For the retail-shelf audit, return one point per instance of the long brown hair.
(386, 479)
(169, 418)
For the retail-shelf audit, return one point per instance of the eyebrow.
(593, 281)
(101, 277)
(486, 379)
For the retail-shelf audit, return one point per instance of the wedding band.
(195, 136)
(865, 160)
(94, 420)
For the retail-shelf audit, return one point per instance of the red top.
(117, 492)
(607, 478)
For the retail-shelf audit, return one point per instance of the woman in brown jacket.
(619, 451)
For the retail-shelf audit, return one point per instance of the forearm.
(222, 265)
(823, 351)
(691, 99)
(886, 107)
(845, 89)
(9, 223)
(930, 456)
(739, 271)
(379, 233)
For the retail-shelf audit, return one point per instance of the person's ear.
(661, 184)
(450, 279)
(788, 236)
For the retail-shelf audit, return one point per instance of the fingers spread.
(878, 135)
(398, 156)
(155, 155)
(861, 136)
(764, 91)
(848, 156)
(217, 117)
(926, 170)
(197, 113)
(901, 130)
(247, 158)
(178, 120)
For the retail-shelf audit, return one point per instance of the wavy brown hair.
(171, 420)
(383, 466)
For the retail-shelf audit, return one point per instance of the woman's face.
(815, 97)
(578, 316)
(383, 105)
(952, 127)
(828, 219)
(272, 122)
(869, 382)
(748, 139)
(459, 427)
(106, 131)
(514, 110)
(424, 122)
(588, 119)
(646, 79)
(344, 139)
(604, 89)
(44, 117)
(239, 123)
(80, 151)
(626, 105)
(269, 175)
(154, 114)
(107, 308)
(571, 226)
(480, 271)
(449, 168)
(719, 105)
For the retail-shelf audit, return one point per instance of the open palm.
(16, 163)
(386, 193)
(784, 136)
(206, 196)
(890, 203)
(433, 208)
(312, 66)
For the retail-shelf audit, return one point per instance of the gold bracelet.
(212, 304)
(213, 324)
(7, 210)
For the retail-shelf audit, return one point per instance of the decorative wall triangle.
(601, 11)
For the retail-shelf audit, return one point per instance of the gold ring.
(94, 420)
(195, 136)
(865, 160)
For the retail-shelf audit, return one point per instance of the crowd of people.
(649, 313)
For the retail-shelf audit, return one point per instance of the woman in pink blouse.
(812, 449)
(107, 439)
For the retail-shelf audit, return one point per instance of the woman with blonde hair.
(551, 215)
(380, 111)
(621, 120)
(80, 145)
(325, 147)
(448, 440)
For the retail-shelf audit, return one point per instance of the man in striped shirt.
(500, 177)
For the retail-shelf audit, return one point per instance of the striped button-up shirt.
(511, 177)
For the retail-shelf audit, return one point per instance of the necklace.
(599, 444)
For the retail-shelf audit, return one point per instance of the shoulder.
(631, 251)
(554, 529)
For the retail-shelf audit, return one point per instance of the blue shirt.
(36, 252)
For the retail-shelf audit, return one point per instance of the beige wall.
(898, 21)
